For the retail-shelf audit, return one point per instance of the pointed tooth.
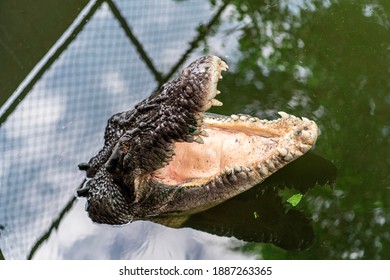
(252, 119)
(284, 115)
(288, 158)
(296, 153)
(188, 138)
(218, 92)
(216, 102)
(224, 66)
(204, 133)
(242, 175)
(199, 118)
(270, 165)
(282, 152)
(304, 147)
(237, 168)
(306, 134)
(234, 117)
(277, 162)
(233, 179)
(243, 118)
(199, 140)
(263, 171)
(228, 170)
(220, 77)
(225, 180)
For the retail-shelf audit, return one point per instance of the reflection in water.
(78, 238)
(257, 215)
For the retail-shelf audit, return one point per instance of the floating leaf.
(295, 199)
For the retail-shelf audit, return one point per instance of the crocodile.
(168, 156)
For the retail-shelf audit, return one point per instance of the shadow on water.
(260, 214)
(257, 215)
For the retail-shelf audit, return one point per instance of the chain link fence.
(112, 56)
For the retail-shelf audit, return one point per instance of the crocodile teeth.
(215, 102)
(218, 92)
(199, 140)
(232, 178)
(228, 170)
(288, 158)
(297, 153)
(234, 117)
(263, 171)
(284, 115)
(306, 134)
(237, 168)
(224, 66)
(304, 148)
(282, 152)
(204, 133)
(270, 164)
(188, 138)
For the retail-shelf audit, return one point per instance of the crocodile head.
(168, 156)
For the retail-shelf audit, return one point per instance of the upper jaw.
(295, 137)
(201, 79)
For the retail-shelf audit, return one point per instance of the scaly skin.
(140, 143)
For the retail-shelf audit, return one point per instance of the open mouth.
(169, 156)
(239, 147)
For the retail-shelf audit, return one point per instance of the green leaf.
(295, 199)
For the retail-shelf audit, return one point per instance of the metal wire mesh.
(116, 53)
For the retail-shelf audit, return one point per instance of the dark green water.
(344, 50)
(326, 60)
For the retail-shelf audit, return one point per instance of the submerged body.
(167, 156)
